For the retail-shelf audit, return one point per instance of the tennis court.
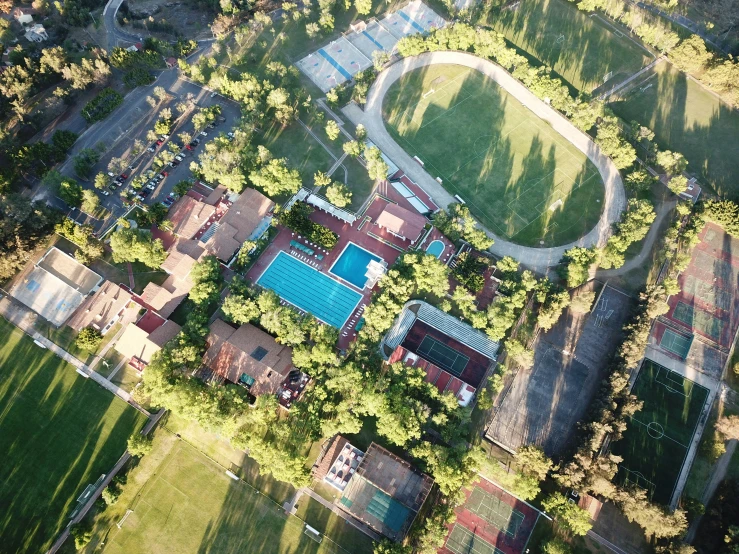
(422, 16)
(443, 356)
(700, 320)
(657, 438)
(374, 37)
(675, 343)
(310, 290)
(463, 541)
(495, 511)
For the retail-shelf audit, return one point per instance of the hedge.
(100, 107)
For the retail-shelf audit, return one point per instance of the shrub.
(138, 76)
(89, 339)
(102, 105)
(296, 218)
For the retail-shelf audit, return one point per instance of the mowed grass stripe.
(60, 432)
(189, 504)
(660, 460)
(581, 49)
(496, 154)
(690, 119)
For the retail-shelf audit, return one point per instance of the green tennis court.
(496, 512)
(675, 343)
(701, 321)
(310, 290)
(443, 356)
(463, 541)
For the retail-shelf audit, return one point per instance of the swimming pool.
(352, 264)
(436, 248)
(310, 290)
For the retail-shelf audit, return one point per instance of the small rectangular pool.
(352, 264)
(310, 290)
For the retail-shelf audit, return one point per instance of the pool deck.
(347, 233)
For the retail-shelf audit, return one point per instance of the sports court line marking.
(415, 25)
(380, 46)
(335, 64)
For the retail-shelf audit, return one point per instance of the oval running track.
(535, 258)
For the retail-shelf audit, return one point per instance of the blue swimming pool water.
(436, 248)
(310, 290)
(352, 265)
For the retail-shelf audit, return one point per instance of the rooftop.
(137, 344)
(70, 271)
(102, 309)
(402, 222)
(237, 225)
(189, 215)
(247, 355)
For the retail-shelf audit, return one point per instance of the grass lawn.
(519, 177)
(65, 337)
(687, 118)
(184, 502)
(581, 49)
(60, 432)
(656, 440)
(334, 527)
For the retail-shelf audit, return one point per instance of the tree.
(332, 130)
(651, 517)
(691, 55)
(457, 223)
(582, 302)
(71, 192)
(386, 546)
(338, 194)
(674, 163)
(101, 180)
(53, 59)
(521, 355)
(84, 161)
(90, 201)
(111, 493)
(320, 179)
(353, 148)
(363, 6)
(82, 534)
(678, 184)
(137, 245)
(275, 178)
(139, 445)
(638, 181)
(556, 546)
(552, 308)
(729, 427)
(182, 187)
(609, 138)
(240, 309)
(429, 273)
(89, 339)
(568, 514)
(376, 166)
(531, 460)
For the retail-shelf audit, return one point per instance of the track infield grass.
(658, 436)
(187, 503)
(690, 119)
(519, 177)
(582, 49)
(60, 432)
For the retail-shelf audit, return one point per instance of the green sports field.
(519, 177)
(687, 118)
(59, 433)
(657, 437)
(187, 503)
(582, 49)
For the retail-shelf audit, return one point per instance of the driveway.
(536, 258)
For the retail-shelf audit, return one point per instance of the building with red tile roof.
(402, 223)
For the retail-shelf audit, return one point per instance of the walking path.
(23, 318)
(108, 478)
(290, 506)
(635, 76)
(608, 544)
(536, 258)
(638, 260)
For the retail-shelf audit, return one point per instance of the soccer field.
(188, 504)
(60, 432)
(584, 50)
(657, 437)
(519, 177)
(687, 118)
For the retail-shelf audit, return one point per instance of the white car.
(104, 193)
(213, 94)
(111, 174)
(203, 133)
(180, 158)
(151, 187)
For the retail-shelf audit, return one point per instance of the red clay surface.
(476, 368)
(483, 529)
(709, 286)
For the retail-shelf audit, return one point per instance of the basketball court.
(658, 437)
(491, 521)
(333, 64)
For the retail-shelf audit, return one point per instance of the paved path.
(717, 475)
(108, 478)
(536, 258)
(638, 260)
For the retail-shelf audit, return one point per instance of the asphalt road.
(116, 35)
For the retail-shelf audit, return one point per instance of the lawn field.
(189, 504)
(60, 432)
(582, 49)
(520, 178)
(657, 437)
(687, 118)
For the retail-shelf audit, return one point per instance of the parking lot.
(132, 124)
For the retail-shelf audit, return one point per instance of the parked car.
(140, 197)
(174, 163)
(152, 148)
(112, 186)
(150, 187)
(213, 94)
(163, 137)
(104, 192)
(145, 192)
(124, 176)
(179, 158)
(164, 173)
(203, 133)
(111, 174)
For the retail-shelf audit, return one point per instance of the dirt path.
(536, 258)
